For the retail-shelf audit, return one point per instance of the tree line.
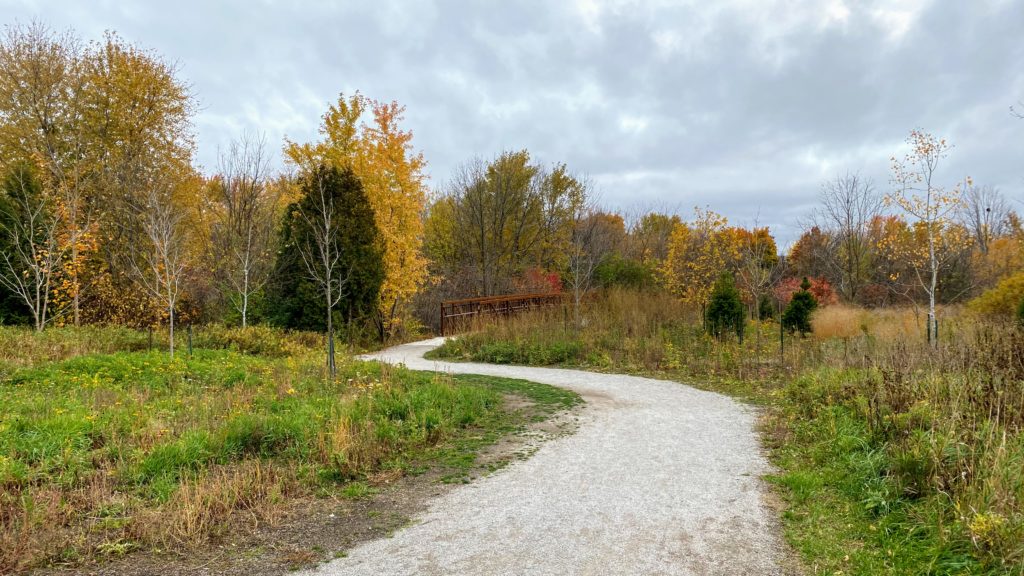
(106, 219)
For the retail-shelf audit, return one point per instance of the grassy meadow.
(107, 447)
(893, 458)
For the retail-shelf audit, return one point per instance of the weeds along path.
(659, 478)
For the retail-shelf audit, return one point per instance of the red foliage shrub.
(820, 288)
(539, 281)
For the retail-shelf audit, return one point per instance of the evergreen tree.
(797, 316)
(293, 296)
(725, 309)
(766, 308)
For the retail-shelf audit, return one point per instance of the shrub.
(725, 310)
(536, 279)
(1001, 300)
(766, 308)
(1020, 311)
(622, 272)
(797, 316)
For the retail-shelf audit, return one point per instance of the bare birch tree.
(243, 232)
(591, 241)
(320, 249)
(33, 255)
(157, 257)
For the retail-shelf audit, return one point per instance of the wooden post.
(331, 370)
(782, 340)
(151, 338)
(189, 340)
(442, 318)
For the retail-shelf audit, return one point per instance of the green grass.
(847, 515)
(876, 488)
(104, 453)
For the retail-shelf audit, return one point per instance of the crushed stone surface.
(659, 478)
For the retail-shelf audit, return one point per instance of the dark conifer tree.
(725, 309)
(797, 316)
(293, 296)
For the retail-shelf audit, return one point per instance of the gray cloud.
(745, 106)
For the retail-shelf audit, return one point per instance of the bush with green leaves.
(617, 271)
(725, 309)
(797, 316)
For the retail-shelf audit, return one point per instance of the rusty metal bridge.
(459, 314)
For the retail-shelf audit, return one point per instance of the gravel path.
(660, 478)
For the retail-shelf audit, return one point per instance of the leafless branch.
(33, 259)
(243, 232)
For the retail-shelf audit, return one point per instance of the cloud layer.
(745, 106)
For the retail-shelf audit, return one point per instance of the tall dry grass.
(885, 324)
(948, 427)
(638, 331)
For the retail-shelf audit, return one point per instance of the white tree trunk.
(170, 310)
(245, 298)
(330, 338)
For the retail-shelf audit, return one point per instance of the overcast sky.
(745, 106)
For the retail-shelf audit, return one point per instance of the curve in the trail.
(659, 478)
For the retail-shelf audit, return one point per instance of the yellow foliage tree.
(383, 158)
(100, 120)
(697, 253)
(1003, 257)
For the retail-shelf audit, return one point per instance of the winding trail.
(660, 478)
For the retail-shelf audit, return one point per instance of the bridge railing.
(458, 314)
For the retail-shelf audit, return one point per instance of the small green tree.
(725, 309)
(797, 316)
(766, 308)
(1020, 312)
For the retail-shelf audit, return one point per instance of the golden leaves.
(698, 252)
(391, 171)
